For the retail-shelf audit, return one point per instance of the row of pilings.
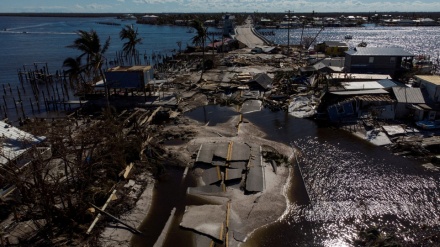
(39, 91)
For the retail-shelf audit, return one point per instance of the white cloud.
(122, 1)
(96, 6)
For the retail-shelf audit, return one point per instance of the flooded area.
(346, 184)
(350, 184)
(340, 185)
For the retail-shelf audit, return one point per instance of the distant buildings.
(149, 19)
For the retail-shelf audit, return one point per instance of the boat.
(348, 36)
(428, 125)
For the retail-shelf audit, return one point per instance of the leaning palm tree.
(90, 45)
(200, 40)
(129, 47)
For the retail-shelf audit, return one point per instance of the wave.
(8, 31)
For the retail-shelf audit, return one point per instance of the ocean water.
(417, 40)
(25, 40)
(345, 182)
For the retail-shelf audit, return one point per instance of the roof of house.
(360, 92)
(353, 76)
(379, 51)
(361, 85)
(15, 142)
(409, 95)
(434, 79)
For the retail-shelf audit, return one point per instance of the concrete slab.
(255, 179)
(255, 176)
(205, 153)
(221, 150)
(212, 175)
(206, 219)
(218, 162)
(231, 174)
(240, 152)
(238, 164)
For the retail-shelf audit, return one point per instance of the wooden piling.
(4, 100)
(32, 106)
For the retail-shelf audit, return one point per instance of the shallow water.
(350, 184)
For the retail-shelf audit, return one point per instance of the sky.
(160, 6)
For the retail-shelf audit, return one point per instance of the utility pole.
(288, 30)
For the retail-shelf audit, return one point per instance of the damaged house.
(380, 60)
(361, 99)
(17, 153)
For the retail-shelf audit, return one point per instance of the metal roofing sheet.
(15, 142)
(409, 95)
(379, 51)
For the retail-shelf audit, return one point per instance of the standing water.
(350, 184)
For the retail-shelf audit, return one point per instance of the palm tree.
(89, 44)
(129, 47)
(200, 39)
(74, 70)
